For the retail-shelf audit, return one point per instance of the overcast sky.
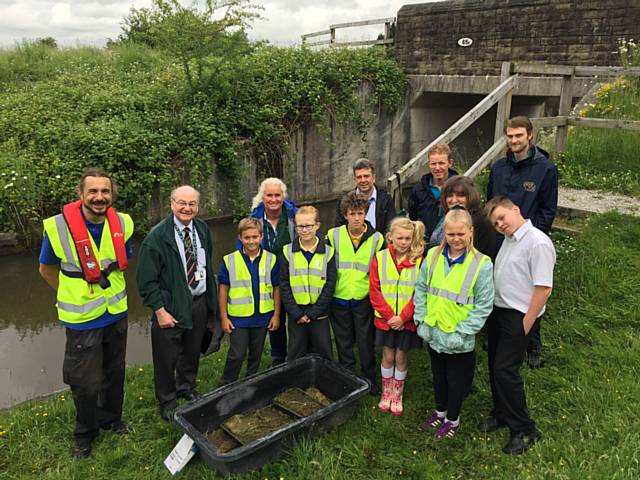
(91, 22)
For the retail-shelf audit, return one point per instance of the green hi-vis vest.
(240, 301)
(396, 287)
(307, 278)
(77, 300)
(450, 298)
(353, 265)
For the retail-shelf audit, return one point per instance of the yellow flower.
(140, 369)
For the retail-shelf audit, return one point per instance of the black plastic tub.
(340, 386)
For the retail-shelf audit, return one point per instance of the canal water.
(32, 341)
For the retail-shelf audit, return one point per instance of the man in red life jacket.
(84, 254)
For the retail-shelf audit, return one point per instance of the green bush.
(129, 109)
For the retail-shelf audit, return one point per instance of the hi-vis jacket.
(353, 264)
(452, 302)
(77, 300)
(240, 301)
(307, 287)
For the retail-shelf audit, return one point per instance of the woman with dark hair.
(461, 190)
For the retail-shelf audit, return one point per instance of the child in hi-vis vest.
(351, 314)
(453, 298)
(307, 283)
(394, 272)
(249, 299)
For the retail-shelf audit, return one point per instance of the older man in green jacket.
(176, 281)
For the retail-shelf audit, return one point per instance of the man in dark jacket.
(530, 180)
(381, 208)
(424, 199)
(176, 281)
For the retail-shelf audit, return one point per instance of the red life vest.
(86, 256)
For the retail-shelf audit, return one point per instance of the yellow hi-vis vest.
(353, 265)
(396, 287)
(77, 300)
(450, 298)
(240, 301)
(307, 278)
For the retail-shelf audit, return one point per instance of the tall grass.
(584, 400)
(603, 158)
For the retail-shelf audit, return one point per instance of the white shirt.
(371, 212)
(201, 287)
(525, 260)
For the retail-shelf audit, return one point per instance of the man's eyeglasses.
(305, 227)
(182, 203)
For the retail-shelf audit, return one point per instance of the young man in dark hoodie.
(351, 313)
(530, 180)
(424, 199)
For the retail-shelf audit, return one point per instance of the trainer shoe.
(432, 421)
(446, 430)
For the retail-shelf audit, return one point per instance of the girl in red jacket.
(394, 272)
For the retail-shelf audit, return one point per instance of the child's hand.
(396, 323)
(273, 324)
(227, 326)
(304, 319)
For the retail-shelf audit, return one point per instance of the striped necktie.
(189, 260)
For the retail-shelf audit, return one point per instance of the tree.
(193, 35)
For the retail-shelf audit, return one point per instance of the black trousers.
(452, 379)
(507, 346)
(94, 363)
(354, 326)
(278, 338)
(241, 340)
(313, 337)
(176, 355)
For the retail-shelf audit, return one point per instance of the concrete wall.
(570, 32)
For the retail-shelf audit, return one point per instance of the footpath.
(576, 202)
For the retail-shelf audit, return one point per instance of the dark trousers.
(94, 362)
(176, 355)
(452, 379)
(507, 346)
(312, 337)
(351, 326)
(241, 340)
(278, 338)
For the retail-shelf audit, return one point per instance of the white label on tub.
(184, 451)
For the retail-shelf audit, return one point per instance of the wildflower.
(140, 369)
(57, 177)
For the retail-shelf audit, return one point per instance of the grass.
(584, 400)
(606, 159)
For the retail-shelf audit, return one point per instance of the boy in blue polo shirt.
(249, 300)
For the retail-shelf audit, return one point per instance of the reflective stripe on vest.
(450, 297)
(307, 278)
(240, 301)
(396, 287)
(77, 300)
(353, 265)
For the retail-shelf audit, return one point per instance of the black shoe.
(166, 412)
(491, 424)
(82, 449)
(119, 427)
(189, 395)
(534, 358)
(521, 442)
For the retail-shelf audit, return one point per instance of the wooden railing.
(331, 31)
(501, 96)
